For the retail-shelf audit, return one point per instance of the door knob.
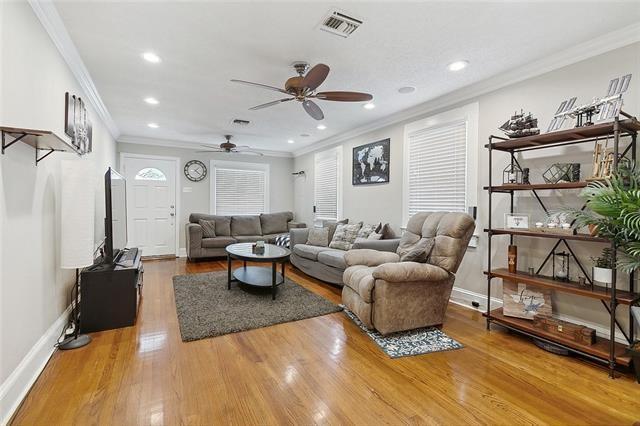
(172, 214)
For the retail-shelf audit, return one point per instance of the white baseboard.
(463, 297)
(182, 252)
(17, 385)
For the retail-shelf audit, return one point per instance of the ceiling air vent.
(239, 122)
(339, 23)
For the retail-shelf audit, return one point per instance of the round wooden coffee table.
(257, 276)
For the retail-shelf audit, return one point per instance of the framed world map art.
(371, 163)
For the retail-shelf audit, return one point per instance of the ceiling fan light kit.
(302, 88)
(230, 148)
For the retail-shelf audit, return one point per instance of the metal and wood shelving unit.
(623, 131)
(40, 140)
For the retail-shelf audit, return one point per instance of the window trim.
(237, 165)
(467, 113)
(337, 150)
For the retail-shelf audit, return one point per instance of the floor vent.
(339, 23)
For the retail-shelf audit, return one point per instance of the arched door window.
(150, 173)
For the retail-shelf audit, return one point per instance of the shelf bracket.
(6, 145)
(39, 159)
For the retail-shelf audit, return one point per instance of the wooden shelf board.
(40, 139)
(600, 349)
(534, 234)
(572, 287)
(574, 134)
(537, 186)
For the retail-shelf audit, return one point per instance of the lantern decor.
(561, 266)
(512, 175)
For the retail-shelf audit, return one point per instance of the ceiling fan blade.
(264, 86)
(344, 96)
(209, 150)
(235, 151)
(268, 104)
(315, 77)
(313, 109)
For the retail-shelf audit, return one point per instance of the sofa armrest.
(410, 271)
(369, 257)
(193, 233)
(298, 236)
(294, 225)
(390, 245)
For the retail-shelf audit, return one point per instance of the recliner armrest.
(298, 236)
(369, 257)
(410, 271)
(390, 245)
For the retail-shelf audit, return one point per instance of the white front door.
(151, 204)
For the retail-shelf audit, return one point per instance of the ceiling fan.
(230, 147)
(302, 89)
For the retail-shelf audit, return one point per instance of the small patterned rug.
(408, 343)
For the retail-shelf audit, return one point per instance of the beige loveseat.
(390, 295)
(235, 229)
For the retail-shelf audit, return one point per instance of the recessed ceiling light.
(457, 65)
(151, 57)
(151, 101)
(369, 105)
(321, 127)
(153, 125)
(407, 89)
(291, 141)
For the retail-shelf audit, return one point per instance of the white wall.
(540, 95)
(197, 201)
(34, 291)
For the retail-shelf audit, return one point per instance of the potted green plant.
(603, 267)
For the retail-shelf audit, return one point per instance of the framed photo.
(371, 163)
(69, 114)
(77, 124)
(516, 221)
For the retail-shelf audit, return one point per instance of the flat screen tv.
(115, 222)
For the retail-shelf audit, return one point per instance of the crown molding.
(52, 23)
(602, 44)
(197, 146)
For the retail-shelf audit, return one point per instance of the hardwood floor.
(319, 370)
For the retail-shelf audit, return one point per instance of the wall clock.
(195, 170)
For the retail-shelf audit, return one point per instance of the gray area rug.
(207, 309)
(408, 343)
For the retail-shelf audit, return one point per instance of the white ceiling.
(205, 44)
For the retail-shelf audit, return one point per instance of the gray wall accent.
(197, 201)
(540, 95)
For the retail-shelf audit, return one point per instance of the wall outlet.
(475, 304)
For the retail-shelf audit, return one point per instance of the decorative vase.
(602, 275)
(513, 259)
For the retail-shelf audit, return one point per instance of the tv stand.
(111, 295)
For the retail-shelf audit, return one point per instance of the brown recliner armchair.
(390, 295)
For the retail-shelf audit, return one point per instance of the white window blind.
(437, 168)
(239, 191)
(326, 185)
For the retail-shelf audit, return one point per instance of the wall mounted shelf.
(40, 140)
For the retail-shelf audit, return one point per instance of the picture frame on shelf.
(516, 221)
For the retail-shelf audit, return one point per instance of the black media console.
(110, 295)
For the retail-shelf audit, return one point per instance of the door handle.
(172, 214)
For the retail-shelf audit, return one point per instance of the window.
(440, 159)
(150, 173)
(327, 184)
(239, 188)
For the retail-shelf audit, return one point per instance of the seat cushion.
(360, 279)
(222, 223)
(245, 225)
(308, 252)
(249, 238)
(333, 258)
(275, 223)
(217, 242)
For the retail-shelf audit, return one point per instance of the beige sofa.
(390, 295)
(235, 229)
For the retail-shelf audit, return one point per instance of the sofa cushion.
(223, 223)
(333, 258)
(345, 236)
(308, 252)
(387, 232)
(245, 225)
(208, 228)
(275, 223)
(217, 242)
(318, 237)
(359, 278)
(249, 238)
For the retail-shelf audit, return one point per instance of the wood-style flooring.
(315, 371)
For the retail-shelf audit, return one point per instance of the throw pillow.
(208, 228)
(387, 232)
(367, 229)
(345, 236)
(332, 225)
(419, 252)
(374, 236)
(318, 237)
